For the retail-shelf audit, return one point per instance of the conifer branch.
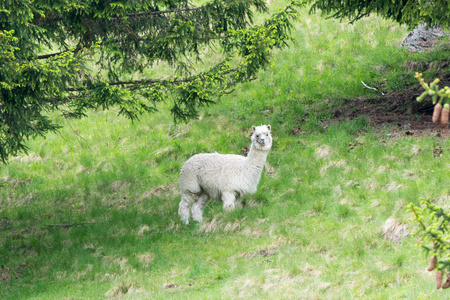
(54, 18)
(163, 12)
(434, 237)
(45, 56)
(108, 48)
(149, 81)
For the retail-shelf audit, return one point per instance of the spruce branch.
(153, 13)
(434, 235)
(102, 46)
(151, 82)
(409, 12)
(45, 56)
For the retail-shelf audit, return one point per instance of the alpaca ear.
(268, 127)
(254, 128)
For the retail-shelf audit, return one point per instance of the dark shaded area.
(398, 109)
(398, 113)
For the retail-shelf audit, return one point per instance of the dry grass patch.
(323, 152)
(162, 191)
(217, 224)
(5, 275)
(146, 259)
(443, 201)
(123, 289)
(173, 226)
(14, 183)
(209, 226)
(119, 185)
(252, 203)
(278, 284)
(269, 169)
(394, 231)
(252, 232)
(32, 157)
(337, 164)
(79, 275)
(382, 169)
(393, 186)
(143, 230)
(21, 199)
(265, 252)
(108, 277)
(371, 184)
(122, 262)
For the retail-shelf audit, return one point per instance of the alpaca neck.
(256, 156)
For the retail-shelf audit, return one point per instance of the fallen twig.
(366, 86)
(73, 129)
(70, 225)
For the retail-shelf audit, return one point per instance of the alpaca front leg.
(228, 201)
(197, 207)
(238, 202)
(185, 206)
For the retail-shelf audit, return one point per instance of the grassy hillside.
(91, 212)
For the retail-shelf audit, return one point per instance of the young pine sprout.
(444, 115)
(437, 113)
(439, 97)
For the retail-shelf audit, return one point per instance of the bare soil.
(396, 114)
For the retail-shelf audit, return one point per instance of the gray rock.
(421, 37)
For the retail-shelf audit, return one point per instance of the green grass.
(91, 212)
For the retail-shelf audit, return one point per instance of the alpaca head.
(261, 137)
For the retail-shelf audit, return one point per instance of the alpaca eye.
(267, 134)
(257, 135)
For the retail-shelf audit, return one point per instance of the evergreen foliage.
(434, 235)
(433, 220)
(409, 12)
(72, 56)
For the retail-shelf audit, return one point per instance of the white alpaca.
(222, 177)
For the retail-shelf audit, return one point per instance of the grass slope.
(91, 213)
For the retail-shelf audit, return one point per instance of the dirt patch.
(397, 113)
(8, 273)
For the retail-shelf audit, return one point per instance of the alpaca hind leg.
(185, 205)
(197, 207)
(228, 201)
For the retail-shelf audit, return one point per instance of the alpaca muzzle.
(262, 142)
